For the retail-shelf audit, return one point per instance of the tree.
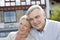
(56, 14)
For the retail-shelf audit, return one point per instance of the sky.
(18, 2)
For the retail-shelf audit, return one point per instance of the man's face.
(37, 19)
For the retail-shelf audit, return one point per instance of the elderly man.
(43, 29)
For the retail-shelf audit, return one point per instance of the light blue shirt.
(51, 31)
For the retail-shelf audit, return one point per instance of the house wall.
(19, 13)
(1, 16)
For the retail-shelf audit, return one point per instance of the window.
(7, 4)
(17, 2)
(7, 0)
(10, 16)
(32, 0)
(3, 34)
(12, 3)
(23, 0)
(12, 0)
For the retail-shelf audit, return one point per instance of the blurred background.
(12, 10)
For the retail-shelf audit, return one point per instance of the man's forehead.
(33, 10)
(34, 15)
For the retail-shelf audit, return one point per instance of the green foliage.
(56, 14)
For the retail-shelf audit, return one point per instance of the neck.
(40, 30)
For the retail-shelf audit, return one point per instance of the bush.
(56, 14)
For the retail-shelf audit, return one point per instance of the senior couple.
(35, 26)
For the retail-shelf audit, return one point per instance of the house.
(12, 10)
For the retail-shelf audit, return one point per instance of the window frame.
(10, 17)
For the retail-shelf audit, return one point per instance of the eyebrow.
(37, 16)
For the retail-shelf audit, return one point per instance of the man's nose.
(34, 20)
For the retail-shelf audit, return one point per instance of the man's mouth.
(38, 24)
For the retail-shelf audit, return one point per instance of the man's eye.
(37, 16)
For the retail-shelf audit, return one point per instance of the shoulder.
(53, 22)
(30, 37)
(11, 35)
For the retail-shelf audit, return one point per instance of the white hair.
(35, 7)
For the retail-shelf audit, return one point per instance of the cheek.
(31, 22)
(42, 20)
(26, 28)
(39, 20)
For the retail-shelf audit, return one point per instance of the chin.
(39, 28)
